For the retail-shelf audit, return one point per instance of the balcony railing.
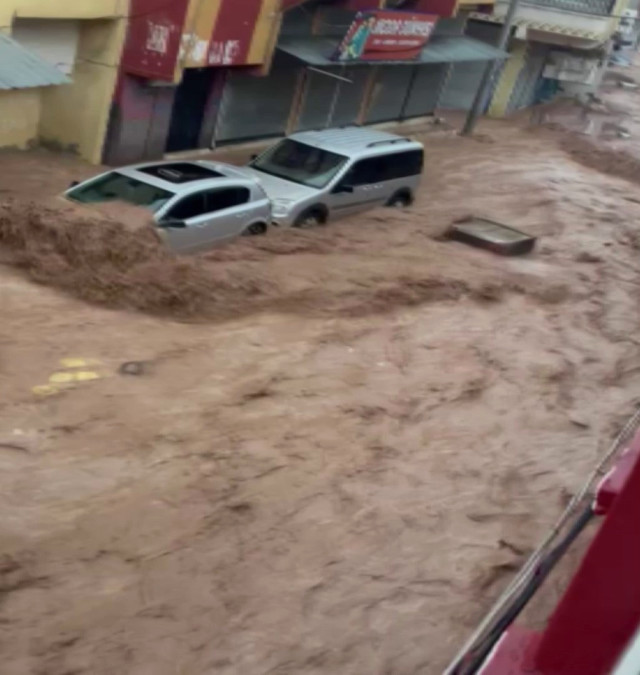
(592, 7)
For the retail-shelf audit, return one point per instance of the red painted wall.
(153, 37)
(600, 611)
(233, 32)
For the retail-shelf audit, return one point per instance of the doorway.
(189, 107)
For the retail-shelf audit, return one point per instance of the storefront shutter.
(524, 91)
(389, 93)
(425, 90)
(256, 107)
(351, 94)
(331, 102)
(318, 94)
(464, 78)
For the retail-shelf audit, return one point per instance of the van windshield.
(300, 163)
(118, 187)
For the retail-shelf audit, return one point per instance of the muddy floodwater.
(339, 444)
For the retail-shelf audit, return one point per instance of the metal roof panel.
(21, 68)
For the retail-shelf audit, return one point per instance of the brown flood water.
(341, 439)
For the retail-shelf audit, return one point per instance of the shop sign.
(386, 36)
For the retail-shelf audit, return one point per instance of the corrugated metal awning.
(317, 51)
(21, 68)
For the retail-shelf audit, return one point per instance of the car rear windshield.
(300, 163)
(118, 187)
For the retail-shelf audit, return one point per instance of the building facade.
(174, 63)
(143, 78)
(557, 46)
(201, 74)
(82, 40)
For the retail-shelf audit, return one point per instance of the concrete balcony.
(65, 9)
(579, 23)
(592, 7)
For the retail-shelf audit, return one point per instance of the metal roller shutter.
(319, 91)
(524, 91)
(350, 97)
(425, 90)
(389, 93)
(461, 88)
(255, 107)
(464, 78)
(329, 102)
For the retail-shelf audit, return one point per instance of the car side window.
(201, 203)
(225, 198)
(190, 207)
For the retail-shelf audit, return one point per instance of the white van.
(313, 176)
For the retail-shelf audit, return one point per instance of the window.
(226, 198)
(180, 172)
(201, 203)
(384, 167)
(364, 172)
(189, 207)
(300, 163)
(403, 164)
(118, 187)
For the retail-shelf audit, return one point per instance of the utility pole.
(480, 100)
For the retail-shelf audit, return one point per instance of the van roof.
(352, 140)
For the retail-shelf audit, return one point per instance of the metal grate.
(595, 7)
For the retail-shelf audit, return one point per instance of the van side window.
(385, 167)
(403, 164)
(364, 172)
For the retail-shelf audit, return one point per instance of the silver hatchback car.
(194, 204)
(313, 176)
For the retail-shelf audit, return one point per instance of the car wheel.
(400, 200)
(255, 229)
(310, 218)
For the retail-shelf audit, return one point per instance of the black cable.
(478, 655)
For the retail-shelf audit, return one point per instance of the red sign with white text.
(386, 36)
